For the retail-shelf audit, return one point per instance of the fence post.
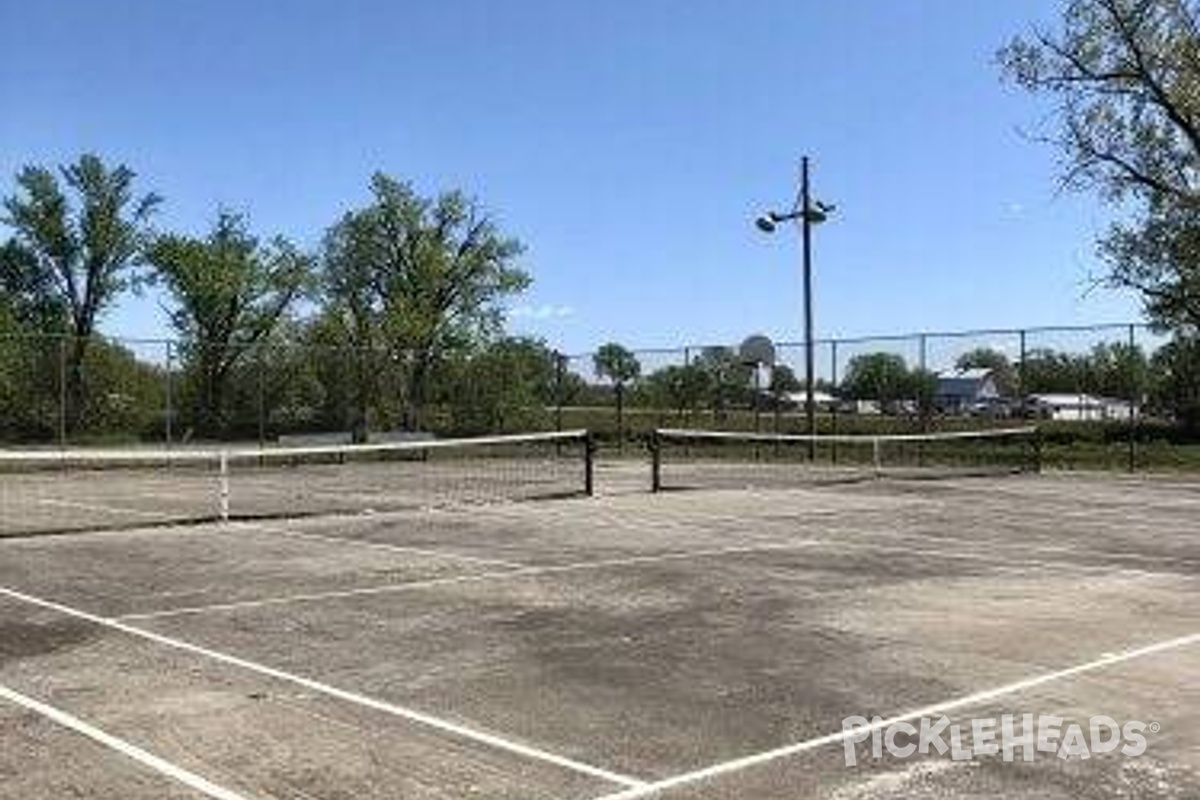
(589, 464)
(686, 422)
(924, 409)
(1133, 399)
(62, 390)
(1037, 449)
(1022, 377)
(262, 400)
(757, 398)
(837, 400)
(559, 370)
(170, 401)
(777, 403)
(620, 393)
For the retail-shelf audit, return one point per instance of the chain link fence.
(1102, 394)
(1113, 396)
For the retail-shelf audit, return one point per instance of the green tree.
(130, 400)
(1047, 371)
(505, 387)
(729, 380)
(351, 377)
(425, 276)
(1125, 76)
(86, 229)
(1175, 391)
(618, 365)
(1110, 369)
(570, 388)
(28, 301)
(882, 377)
(292, 382)
(922, 389)
(31, 322)
(784, 381)
(680, 387)
(1119, 369)
(1003, 372)
(231, 291)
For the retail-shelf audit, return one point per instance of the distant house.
(1079, 407)
(964, 390)
(822, 401)
(865, 407)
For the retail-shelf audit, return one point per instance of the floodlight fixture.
(808, 212)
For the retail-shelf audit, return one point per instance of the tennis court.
(701, 643)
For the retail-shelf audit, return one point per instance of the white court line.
(395, 548)
(584, 566)
(746, 762)
(412, 715)
(161, 766)
(476, 578)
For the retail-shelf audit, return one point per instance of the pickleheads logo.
(990, 736)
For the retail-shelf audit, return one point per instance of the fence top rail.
(911, 336)
(697, 347)
(970, 332)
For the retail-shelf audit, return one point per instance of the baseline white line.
(428, 720)
(746, 762)
(367, 543)
(457, 579)
(153, 762)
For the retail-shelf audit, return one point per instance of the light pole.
(806, 212)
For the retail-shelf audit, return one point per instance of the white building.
(822, 401)
(1079, 407)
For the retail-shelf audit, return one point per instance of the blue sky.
(628, 144)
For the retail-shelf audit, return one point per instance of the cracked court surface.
(701, 644)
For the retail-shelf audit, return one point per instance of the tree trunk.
(211, 422)
(362, 392)
(76, 389)
(418, 391)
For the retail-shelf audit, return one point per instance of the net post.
(223, 486)
(655, 445)
(877, 455)
(589, 464)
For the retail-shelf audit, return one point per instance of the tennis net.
(44, 491)
(723, 459)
